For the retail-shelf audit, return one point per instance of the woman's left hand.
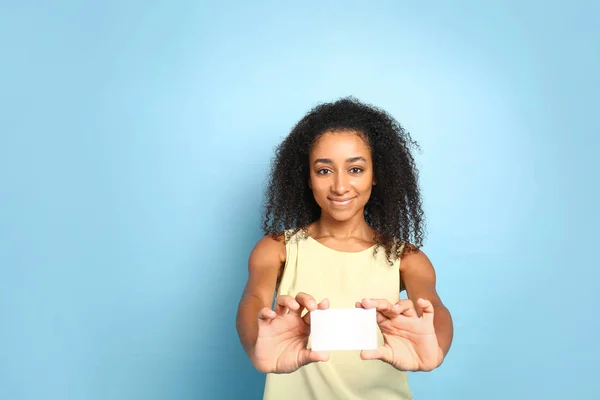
(410, 343)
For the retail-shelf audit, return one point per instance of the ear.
(309, 183)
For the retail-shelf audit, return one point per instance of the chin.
(342, 216)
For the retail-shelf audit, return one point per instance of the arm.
(263, 268)
(418, 277)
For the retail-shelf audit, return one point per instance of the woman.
(343, 228)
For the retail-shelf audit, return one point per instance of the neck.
(354, 227)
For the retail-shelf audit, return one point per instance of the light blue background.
(135, 138)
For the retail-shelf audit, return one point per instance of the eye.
(356, 170)
(322, 171)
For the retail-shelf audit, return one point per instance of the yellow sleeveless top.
(344, 278)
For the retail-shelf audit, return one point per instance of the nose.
(340, 184)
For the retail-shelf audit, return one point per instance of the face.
(341, 174)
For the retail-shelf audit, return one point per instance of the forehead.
(342, 144)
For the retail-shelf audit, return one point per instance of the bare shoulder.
(268, 251)
(418, 277)
(264, 265)
(416, 260)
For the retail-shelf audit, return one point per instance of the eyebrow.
(348, 160)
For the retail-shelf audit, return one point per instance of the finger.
(306, 301)
(266, 314)
(383, 306)
(284, 303)
(428, 310)
(359, 305)
(308, 356)
(382, 353)
(407, 308)
(323, 305)
(317, 356)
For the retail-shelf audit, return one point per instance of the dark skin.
(417, 331)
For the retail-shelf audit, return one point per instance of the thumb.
(382, 353)
(307, 356)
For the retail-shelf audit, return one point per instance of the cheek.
(319, 189)
(317, 185)
(363, 184)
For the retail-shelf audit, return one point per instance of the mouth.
(340, 201)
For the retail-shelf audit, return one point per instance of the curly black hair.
(394, 210)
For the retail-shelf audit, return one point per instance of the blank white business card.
(343, 329)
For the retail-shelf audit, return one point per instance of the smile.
(341, 202)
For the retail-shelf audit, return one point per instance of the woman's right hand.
(281, 345)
